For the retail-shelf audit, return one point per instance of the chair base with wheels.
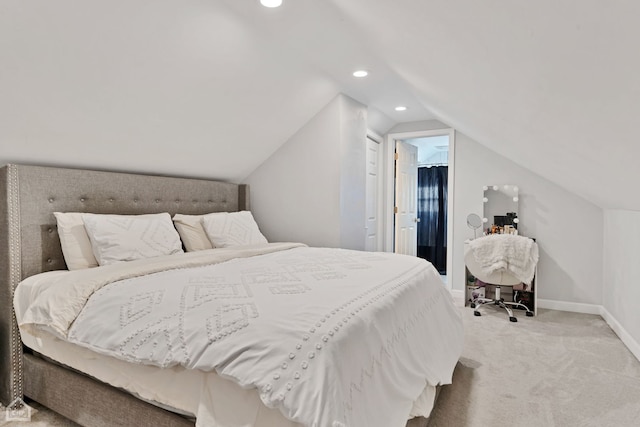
(500, 302)
(497, 279)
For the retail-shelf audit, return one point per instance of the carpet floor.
(557, 369)
(554, 370)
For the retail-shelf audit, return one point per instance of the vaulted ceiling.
(551, 85)
(212, 88)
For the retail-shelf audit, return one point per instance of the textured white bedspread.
(329, 337)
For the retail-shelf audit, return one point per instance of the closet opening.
(433, 167)
(421, 212)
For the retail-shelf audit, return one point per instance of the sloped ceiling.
(212, 88)
(184, 87)
(554, 86)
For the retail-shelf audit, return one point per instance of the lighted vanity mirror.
(500, 213)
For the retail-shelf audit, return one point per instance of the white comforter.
(329, 337)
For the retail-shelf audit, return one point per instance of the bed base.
(90, 402)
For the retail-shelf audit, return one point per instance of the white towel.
(517, 255)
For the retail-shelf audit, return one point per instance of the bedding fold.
(59, 305)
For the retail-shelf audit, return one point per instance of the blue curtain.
(432, 211)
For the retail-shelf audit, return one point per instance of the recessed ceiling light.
(401, 108)
(360, 73)
(271, 3)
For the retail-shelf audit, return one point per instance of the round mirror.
(474, 222)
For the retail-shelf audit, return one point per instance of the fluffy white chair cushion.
(116, 238)
(226, 229)
(191, 232)
(76, 246)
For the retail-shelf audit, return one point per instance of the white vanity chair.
(498, 277)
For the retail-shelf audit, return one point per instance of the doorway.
(431, 235)
(432, 195)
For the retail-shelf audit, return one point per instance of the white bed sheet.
(176, 388)
(180, 389)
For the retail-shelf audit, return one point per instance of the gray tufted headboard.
(29, 242)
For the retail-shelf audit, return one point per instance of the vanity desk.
(507, 286)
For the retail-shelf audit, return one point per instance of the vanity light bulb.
(515, 199)
(485, 220)
(495, 187)
(485, 188)
(515, 188)
(485, 200)
(516, 220)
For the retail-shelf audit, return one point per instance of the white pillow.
(76, 247)
(191, 232)
(116, 238)
(227, 229)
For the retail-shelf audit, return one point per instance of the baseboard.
(575, 307)
(458, 297)
(625, 337)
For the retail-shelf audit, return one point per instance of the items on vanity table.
(501, 265)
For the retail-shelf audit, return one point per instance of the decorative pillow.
(227, 229)
(76, 246)
(191, 232)
(116, 238)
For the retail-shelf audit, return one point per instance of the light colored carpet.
(557, 369)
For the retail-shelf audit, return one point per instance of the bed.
(97, 389)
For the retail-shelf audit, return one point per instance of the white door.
(406, 209)
(373, 195)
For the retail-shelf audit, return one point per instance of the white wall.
(439, 158)
(563, 223)
(353, 175)
(312, 189)
(621, 293)
(377, 121)
(568, 229)
(418, 126)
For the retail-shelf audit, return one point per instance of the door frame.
(381, 194)
(389, 189)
